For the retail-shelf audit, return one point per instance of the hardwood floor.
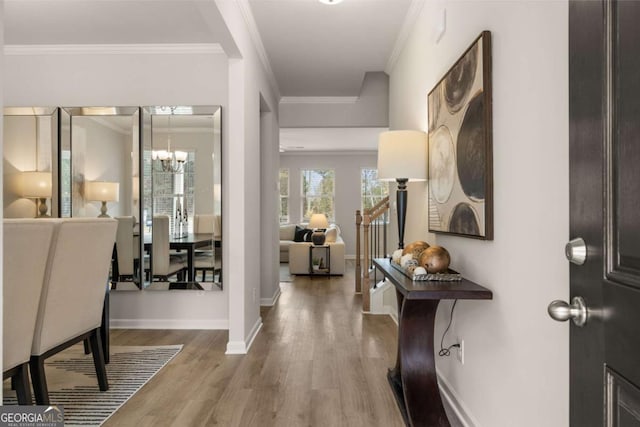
(316, 362)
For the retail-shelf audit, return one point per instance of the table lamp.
(402, 157)
(37, 185)
(318, 223)
(104, 192)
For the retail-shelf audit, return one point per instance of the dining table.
(189, 243)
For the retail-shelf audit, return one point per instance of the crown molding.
(319, 99)
(407, 26)
(252, 27)
(114, 49)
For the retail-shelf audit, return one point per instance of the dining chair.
(73, 293)
(208, 258)
(127, 253)
(26, 248)
(163, 265)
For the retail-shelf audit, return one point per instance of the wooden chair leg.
(39, 380)
(98, 359)
(23, 390)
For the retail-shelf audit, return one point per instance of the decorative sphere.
(397, 254)
(404, 260)
(415, 248)
(435, 259)
(419, 270)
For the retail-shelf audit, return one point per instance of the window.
(284, 196)
(371, 189)
(318, 192)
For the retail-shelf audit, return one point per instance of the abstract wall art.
(460, 146)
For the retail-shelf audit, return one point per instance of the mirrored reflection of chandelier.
(169, 161)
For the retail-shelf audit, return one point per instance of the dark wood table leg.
(413, 379)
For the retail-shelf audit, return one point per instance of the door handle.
(561, 311)
(576, 251)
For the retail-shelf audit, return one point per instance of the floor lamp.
(402, 157)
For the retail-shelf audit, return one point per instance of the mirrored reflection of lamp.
(37, 185)
(402, 157)
(104, 192)
(318, 223)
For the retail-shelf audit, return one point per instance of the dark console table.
(413, 379)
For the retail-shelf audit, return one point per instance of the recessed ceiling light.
(330, 2)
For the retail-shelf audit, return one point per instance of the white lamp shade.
(102, 191)
(402, 154)
(181, 156)
(318, 221)
(36, 184)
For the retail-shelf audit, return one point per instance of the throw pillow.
(301, 234)
(331, 235)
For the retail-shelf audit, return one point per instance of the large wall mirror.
(182, 197)
(100, 170)
(30, 164)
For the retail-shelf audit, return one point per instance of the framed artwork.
(460, 146)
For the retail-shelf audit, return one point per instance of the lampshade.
(402, 154)
(181, 156)
(318, 221)
(36, 184)
(102, 191)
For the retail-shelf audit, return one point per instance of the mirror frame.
(66, 116)
(147, 144)
(54, 113)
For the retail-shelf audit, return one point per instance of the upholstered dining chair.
(73, 295)
(210, 257)
(26, 248)
(125, 248)
(163, 265)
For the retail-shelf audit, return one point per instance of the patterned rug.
(72, 382)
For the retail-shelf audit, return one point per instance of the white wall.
(516, 358)
(247, 82)
(347, 186)
(370, 109)
(269, 202)
(121, 79)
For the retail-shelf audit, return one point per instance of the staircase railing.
(374, 223)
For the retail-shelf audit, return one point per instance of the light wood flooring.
(316, 362)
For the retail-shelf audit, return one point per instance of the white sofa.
(297, 253)
(287, 233)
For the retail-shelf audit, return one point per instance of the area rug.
(72, 382)
(284, 273)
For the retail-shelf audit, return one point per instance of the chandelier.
(167, 160)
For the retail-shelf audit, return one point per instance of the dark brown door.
(604, 111)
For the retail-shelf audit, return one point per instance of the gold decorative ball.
(435, 259)
(415, 249)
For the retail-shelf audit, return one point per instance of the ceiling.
(314, 50)
(324, 50)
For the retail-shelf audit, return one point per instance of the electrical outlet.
(460, 351)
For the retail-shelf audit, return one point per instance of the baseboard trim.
(242, 347)
(460, 410)
(270, 302)
(212, 324)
